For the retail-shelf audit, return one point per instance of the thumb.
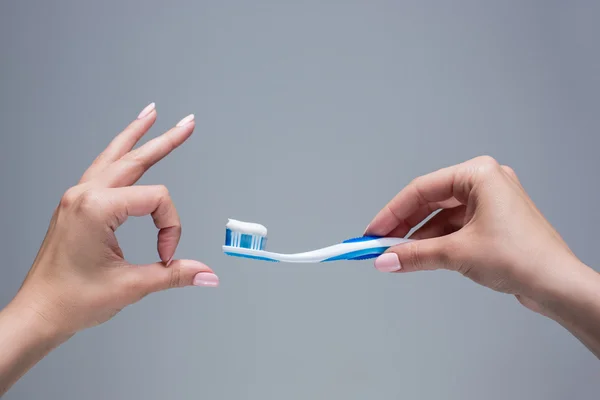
(419, 255)
(145, 279)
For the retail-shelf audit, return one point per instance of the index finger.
(123, 142)
(445, 188)
(433, 191)
(137, 201)
(130, 168)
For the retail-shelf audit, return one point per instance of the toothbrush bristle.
(244, 240)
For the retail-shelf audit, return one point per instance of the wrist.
(38, 317)
(25, 338)
(34, 326)
(570, 289)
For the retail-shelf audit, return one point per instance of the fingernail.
(366, 229)
(206, 279)
(186, 120)
(388, 262)
(169, 262)
(146, 111)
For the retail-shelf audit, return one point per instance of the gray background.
(311, 115)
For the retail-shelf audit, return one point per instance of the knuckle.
(415, 257)
(69, 198)
(87, 200)
(417, 184)
(163, 191)
(464, 251)
(416, 181)
(100, 159)
(444, 253)
(450, 254)
(487, 160)
(487, 166)
(90, 204)
(136, 162)
(170, 144)
(175, 278)
(509, 171)
(165, 205)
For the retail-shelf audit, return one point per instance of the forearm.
(574, 302)
(25, 338)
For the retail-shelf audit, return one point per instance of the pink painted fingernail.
(388, 262)
(206, 279)
(146, 111)
(185, 121)
(366, 229)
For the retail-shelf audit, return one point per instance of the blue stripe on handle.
(359, 254)
(361, 239)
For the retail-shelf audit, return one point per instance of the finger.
(420, 255)
(123, 142)
(511, 174)
(137, 201)
(426, 210)
(423, 191)
(404, 227)
(443, 223)
(129, 168)
(447, 185)
(141, 280)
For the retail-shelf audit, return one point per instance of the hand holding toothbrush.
(490, 231)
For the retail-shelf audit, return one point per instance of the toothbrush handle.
(365, 248)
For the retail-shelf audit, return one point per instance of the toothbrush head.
(246, 235)
(247, 240)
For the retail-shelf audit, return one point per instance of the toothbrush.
(248, 240)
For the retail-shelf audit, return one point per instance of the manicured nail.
(146, 111)
(206, 279)
(388, 262)
(185, 121)
(366, 229)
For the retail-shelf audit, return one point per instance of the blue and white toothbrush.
(244, 239)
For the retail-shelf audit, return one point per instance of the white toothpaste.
(247, 227)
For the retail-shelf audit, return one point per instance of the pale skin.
(80, 277)
(488, 229)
